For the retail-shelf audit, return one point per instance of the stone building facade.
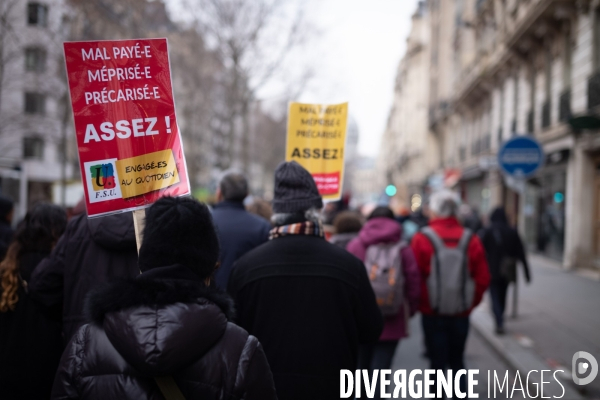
(518, 67)
(33, 118)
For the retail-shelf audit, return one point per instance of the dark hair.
(261, 208)
(347, 222)
(382, 212)
(179, 230)
(234, 186)
(499, 216)
(6, 206)
(39, 231)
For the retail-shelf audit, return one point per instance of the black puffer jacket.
(91, 252)
(159, 326)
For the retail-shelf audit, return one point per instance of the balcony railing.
(546, 114)
(564, 106)
(530, 119)
(594, 91)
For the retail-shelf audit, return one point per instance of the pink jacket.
(385, 230)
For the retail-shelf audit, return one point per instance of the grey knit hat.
(295, 189)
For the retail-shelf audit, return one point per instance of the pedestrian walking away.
(382, 233)
(443, 251)
(504, 250)
(346, 226)
(308, 301)
(91, 252)
(30, 334)
(239, 231)
(167, 322)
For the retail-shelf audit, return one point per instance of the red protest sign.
(130, 150)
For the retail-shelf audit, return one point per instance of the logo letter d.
(592, 363)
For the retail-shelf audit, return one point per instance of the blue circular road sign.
(521, 156)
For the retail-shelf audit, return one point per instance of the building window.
(567, 59)
(531, 115)
(547, 106)
(513, 126)
(35, 103)
(597, 40)
(37, 14)
(35, 59)
(501, 112)
(33, 148)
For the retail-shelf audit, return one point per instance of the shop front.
(544, 207)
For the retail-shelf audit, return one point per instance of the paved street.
(409, 355)
(558, 316)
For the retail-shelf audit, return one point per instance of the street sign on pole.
(520, 157)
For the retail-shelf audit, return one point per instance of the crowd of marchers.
(239, 301)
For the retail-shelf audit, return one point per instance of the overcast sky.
(363, 42)
(354, 51)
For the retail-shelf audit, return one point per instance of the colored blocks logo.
(103, 176)
(102, 181)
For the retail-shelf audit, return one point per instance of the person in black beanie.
(7, 209)
(309, 302)
(167, 330)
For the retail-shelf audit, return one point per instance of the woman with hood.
(166, 330)
(382, 228)
(503, 248)
(30, 334)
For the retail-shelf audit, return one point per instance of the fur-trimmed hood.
(160, 324)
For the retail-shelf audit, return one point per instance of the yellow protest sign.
(147, 173)
(316, 137)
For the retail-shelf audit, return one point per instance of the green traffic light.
(390, 190)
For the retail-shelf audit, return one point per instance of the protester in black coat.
(309, 302)
(6, 230)
(91, 252)
(239, 231)
(166, 323)
(30, 334)
(502, 243)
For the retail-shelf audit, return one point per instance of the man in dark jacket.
(166, 330)
(91, 252)
(238, 230)
(309, 302)
(504, 248)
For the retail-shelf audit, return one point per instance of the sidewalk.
(478, 355)
(559, 314)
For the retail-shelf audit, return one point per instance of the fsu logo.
(103, 176)
(102, 180)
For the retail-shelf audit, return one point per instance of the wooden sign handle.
(139, 220)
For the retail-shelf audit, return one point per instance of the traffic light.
(391, 190)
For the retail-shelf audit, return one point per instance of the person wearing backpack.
(454, 276)
(504, 248)
(394, 276)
